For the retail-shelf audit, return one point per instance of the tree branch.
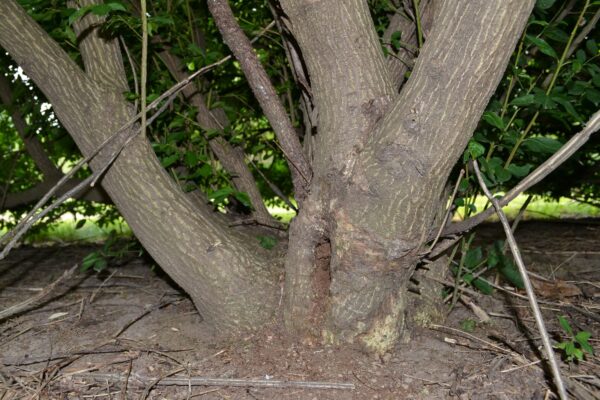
(265, 93)
(32, 144)
(562, 392)
(349, 81)
(101, 56)
(231, 158)
(35, 193)
(398, 61)
(411, 154)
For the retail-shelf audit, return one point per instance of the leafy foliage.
(577, 344)
(550, 88)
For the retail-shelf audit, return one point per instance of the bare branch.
(204, 381)
(399, 22)
(265, 93)
(562, 392)
(35, 193)
(32, 144)
(566, 151)
(231, 158)
(17, 308)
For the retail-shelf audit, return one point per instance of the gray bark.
(396, 167)
(380, 161)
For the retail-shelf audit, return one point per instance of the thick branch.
(101, 55)
(38, 191)
(399, 61)
(264, 92)
(349, 80)
(407, 162)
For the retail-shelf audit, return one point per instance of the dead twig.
(233, 382)
(562, 392)
(17, 308)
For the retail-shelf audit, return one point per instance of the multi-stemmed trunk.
(380, 153)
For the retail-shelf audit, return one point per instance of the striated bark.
(232, 280)
(399, 61)
(401, 160)
(379, 163)
(265, 93)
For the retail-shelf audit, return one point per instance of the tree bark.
(231, 279)
(395, 175)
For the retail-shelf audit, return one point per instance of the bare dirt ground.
(129, 333)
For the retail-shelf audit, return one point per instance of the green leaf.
(542, 144)
(564, 323)
(593, 95)
(219, 196)
(483, 286)
(267, 242)
(80, 223)
(90, 260)
(568, 107)
(170, 160)
(519, 171)
(475, 149)
(502, 174)
(591, 47)
(191, 159)
(395, 40)
(542, 45)
(521, 101)
(494, 119)
(544, 4)
(583, 336)
(243, 198)
(510, 272)
(473, 257)
(100, 264)
(544, 101)
(468, 325)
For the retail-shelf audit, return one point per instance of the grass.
(540, 208)
(64, 229)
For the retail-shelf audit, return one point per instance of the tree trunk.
(387, 160)
(379, 161)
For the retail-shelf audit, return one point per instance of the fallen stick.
(203, 381)
(560, 386)
(17, 308)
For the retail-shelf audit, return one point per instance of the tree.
(369, 176)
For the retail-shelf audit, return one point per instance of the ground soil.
(128, 332)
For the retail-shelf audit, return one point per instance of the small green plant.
(267, 242)
(111, 250)
(577, 344)
(468, 325)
